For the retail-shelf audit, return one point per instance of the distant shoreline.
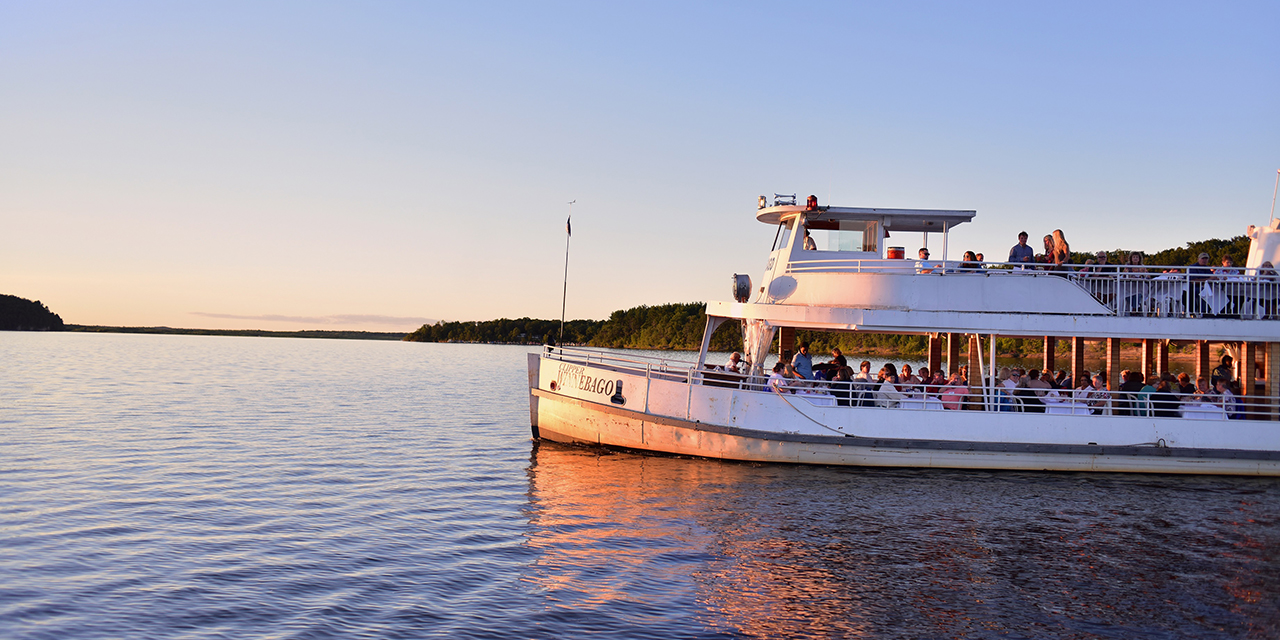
(255, 333)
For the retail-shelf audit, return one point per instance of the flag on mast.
(568, 226)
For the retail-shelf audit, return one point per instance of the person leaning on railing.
(1021, 253)
(1198, 275)
(1061, 251)
(1229, 283)
(1268, 288)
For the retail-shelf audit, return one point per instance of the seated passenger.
(778, 380)
(864, 372)
(1083, 388)
(1031, 403)
(1229, 395)
(842, 386)
(926, 381)
(923, 265)
(907, 379)
(1037, 383)
(888, 395)
(1144, 395)
(735, 363)
(1184, 388)
(1099, 397)
(1164, 404)
(1202, 393)
(969, 263)
(955, 392)
(1127, 400)
(828, 368)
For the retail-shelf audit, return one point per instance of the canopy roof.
(894, 219)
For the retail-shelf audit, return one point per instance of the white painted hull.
(672, 417)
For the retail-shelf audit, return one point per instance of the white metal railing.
(921, 397)
(1175, 292)
(1211, 406)
(639, 364)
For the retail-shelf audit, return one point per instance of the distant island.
(257, 333)
(20, 314)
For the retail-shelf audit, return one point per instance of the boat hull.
(561, 418)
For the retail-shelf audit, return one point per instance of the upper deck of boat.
(847, 278)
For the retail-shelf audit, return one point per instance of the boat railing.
(855, 394)
(1139, 290)
(1080, 402)
(640, 364)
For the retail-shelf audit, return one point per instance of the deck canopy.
(925, 220)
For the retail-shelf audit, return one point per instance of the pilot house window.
(845, 235)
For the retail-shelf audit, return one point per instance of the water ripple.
(209, 487)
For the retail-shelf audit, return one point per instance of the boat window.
(785, 237)
(845, 235)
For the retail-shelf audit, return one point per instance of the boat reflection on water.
(648, 545)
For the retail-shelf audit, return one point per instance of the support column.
(786, 343)
(1050, 352)
(953, 352)
(1248, 368)
(935, 352)
(1162, 358)
(1203, 370)
(1148, 357)
(1253, 403)
(1113, 364)
(1077, 359)
(975, 370)
(1273, 378)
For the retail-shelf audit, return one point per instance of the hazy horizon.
(299, 166)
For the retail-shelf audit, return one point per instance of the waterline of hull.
(565, 419)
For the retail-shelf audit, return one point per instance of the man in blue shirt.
(1021, 252)
(802, 362)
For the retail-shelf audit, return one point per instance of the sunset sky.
(371, 166)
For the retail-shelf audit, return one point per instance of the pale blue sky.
(316, 165)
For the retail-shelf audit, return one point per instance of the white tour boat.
(849, 280)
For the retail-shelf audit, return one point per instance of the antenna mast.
(1273, 195)
(564, 295)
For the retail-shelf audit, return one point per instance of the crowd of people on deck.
(1155, 395)
(1231, 293)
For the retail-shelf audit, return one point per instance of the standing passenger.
(803, 362)
(1061, 250)
(1021, 252)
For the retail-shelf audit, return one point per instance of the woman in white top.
(777, 380)
(888, 394)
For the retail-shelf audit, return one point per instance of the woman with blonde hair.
(1061, 250)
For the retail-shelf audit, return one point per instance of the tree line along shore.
(676, 326)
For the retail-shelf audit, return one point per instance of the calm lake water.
(220, 487)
